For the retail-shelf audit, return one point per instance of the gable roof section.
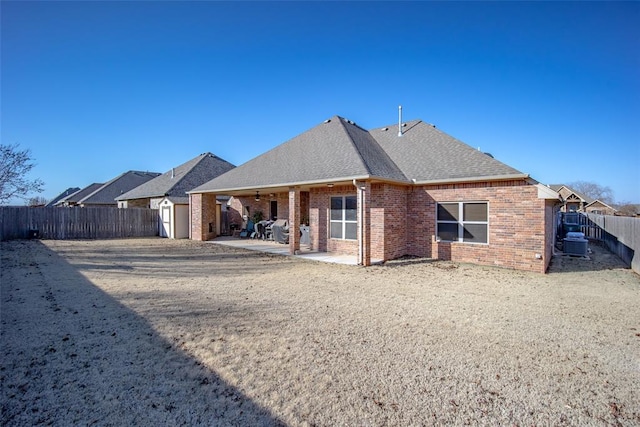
(566, 191)
(426, 154)
(106, 194)
(176, 182)
(339, 150)
(600, 203)
(69, 191)
(333, 150)
(80, 194)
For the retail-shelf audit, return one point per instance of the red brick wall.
(203, 216)
(234, 213)
(238, 204)
(403, 222)
(318, 218)
(389, 221)
(518, 228)
(319, 205)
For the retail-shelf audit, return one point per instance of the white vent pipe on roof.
(399, 120)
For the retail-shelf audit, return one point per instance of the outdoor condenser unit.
(576, 247)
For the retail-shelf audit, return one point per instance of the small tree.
(37, 201)
(628, 209)
(14, 166)
(593, 190)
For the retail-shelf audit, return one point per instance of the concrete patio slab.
(280, 249)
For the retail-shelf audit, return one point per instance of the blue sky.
(94, 89)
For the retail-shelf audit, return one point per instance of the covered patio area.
(271, 247)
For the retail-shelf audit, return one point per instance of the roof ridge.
(376, 149)
(353, 143)
(202, 157)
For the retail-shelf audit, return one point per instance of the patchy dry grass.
(161, 332)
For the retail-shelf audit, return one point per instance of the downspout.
(190, 203)
(360, 223)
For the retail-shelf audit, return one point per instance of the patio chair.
(259, 233)
(268, 230)
(248, 231)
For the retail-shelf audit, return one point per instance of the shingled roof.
(106, 194)
(66, 193)
(176, 182)
(427, 155)
(80, 194)
(339, 150)
(558, 188)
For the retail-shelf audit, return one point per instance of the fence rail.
(620, 234)
(77, 223)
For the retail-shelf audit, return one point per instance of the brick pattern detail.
(294, 220)
(402, 221)
(318, 218)
(203, 216)
(319, 206)
(389, 221)
(234, 212)
(519, 225)
(364, 218)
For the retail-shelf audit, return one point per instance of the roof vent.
(173, 173)
(327, 121)
(385, 129)
(399, 120)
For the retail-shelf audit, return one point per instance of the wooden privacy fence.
(620, 234)
(76, 223)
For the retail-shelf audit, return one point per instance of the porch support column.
(202, 208)
(294, 220)
(364, 223)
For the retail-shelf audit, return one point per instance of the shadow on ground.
(73, 355)
(599, 258)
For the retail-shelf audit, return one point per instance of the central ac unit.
(576, 247)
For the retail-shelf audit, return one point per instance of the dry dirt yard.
(163, 332)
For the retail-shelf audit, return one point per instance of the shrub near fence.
(620, 234)
(77, 223)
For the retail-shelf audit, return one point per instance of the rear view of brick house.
(389, 192)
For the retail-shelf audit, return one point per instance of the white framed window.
(463, 222)
(344, 218)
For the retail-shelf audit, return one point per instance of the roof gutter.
(350, 179)
(346, 179)
(473, 179)
(360, 224)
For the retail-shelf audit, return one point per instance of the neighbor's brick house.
(385, 193)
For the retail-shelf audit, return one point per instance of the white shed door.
(165, 227)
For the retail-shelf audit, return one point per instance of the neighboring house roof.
(106, 194)
(339, 150)
(600, 203)
(568, 191)
(179, 180)
(69, 191)
(80, 194)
